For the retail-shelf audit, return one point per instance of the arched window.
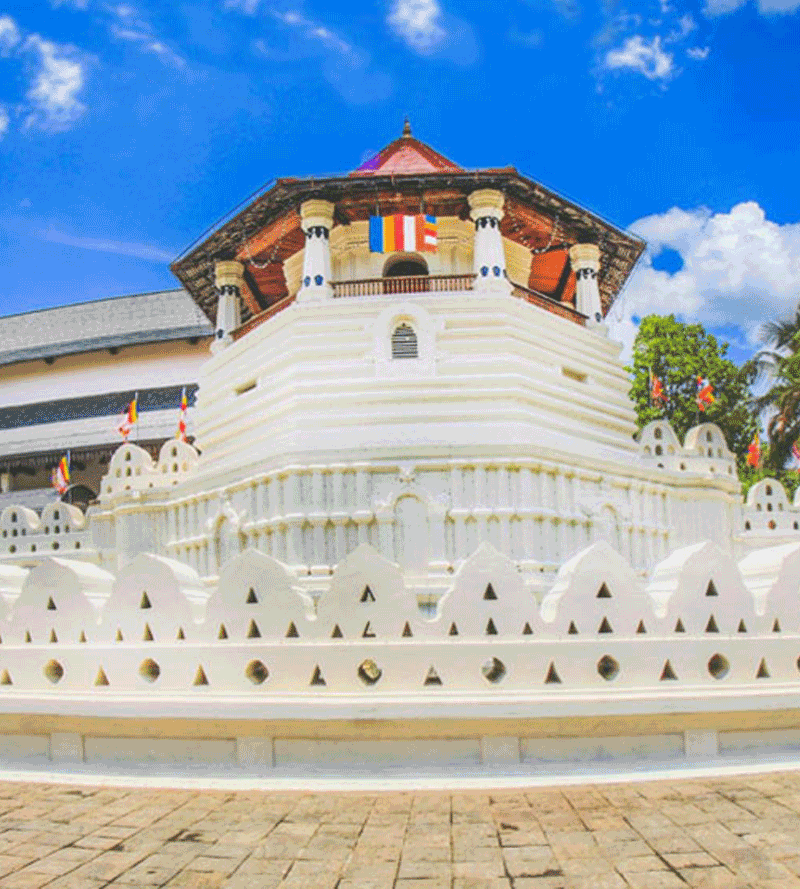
(404, 342)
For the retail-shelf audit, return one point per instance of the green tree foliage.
(780, 361)
(677, 354)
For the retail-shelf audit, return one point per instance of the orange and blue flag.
(409, 234)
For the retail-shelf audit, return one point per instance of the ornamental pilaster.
(585, 259)
(228, 275)
(486, 210)
(316, 219)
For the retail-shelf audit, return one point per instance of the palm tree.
(779, 364)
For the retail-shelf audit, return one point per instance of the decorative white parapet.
(486, 209)
(585, 259)
(228, 279)
(316, 218)
(615, 668)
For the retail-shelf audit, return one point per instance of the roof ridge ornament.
(406, 127)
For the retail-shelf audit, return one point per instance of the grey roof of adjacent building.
(104, 324)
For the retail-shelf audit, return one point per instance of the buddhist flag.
(657, 390)
(754, 452)
(129, 418)
(181, 433)
(60, 477)
(796, 456)
(410, 234)
(705, 394)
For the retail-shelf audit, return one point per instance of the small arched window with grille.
(404, 342)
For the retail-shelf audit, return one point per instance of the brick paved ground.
(711, 833)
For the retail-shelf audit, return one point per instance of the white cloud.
(59, 76)
(5, 121)
(418, 23)
(9, 35)
(766, 7)
(124, 248)
(314, 31)
(739, 268)
(646, 57)
(699, 53)
(686, 24)
(130, 26)
(248, 7)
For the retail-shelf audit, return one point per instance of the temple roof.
(103, 324)
(399, 178)
(405, 155)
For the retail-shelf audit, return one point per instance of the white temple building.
(416, 526)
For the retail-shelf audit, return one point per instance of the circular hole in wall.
(718, 666)
(493, 670)
(149, 670)
(369, 672)
(53, 671)
(607, 667)
(256, 672)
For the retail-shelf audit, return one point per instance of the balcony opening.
(406, 273)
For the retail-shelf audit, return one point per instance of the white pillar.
(486, 209)
(229, 313)
(585, 259)
(317, 221)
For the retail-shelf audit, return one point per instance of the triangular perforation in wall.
(573, 630)
(641, 628)
(252, 631)
(552, 677)
(490, 595)
(252, 598)
(318, 678)
(407, 631)
(432, 677)
(367, 595)
(145, 601)
(82, 637)
(491, 629)
(5, 678)
(453, 631)
(603, 592)
(291, 631)
(711, 590)
(28, 636)
(605, 626)
(776, 627)
(200, 677)
(118, 635)
(101, 678)
(742, 628)
(763, 672)
(223, 633)
(668, 672)
(180, 635)
(526, 630)
(679, 627)
(147, 635)
(53, 637)
(337, 633)
(368, 633)
(51, 605)
(711, 626)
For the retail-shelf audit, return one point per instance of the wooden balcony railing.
(403, 284)
(563, 310)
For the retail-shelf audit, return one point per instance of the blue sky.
(127, 128)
